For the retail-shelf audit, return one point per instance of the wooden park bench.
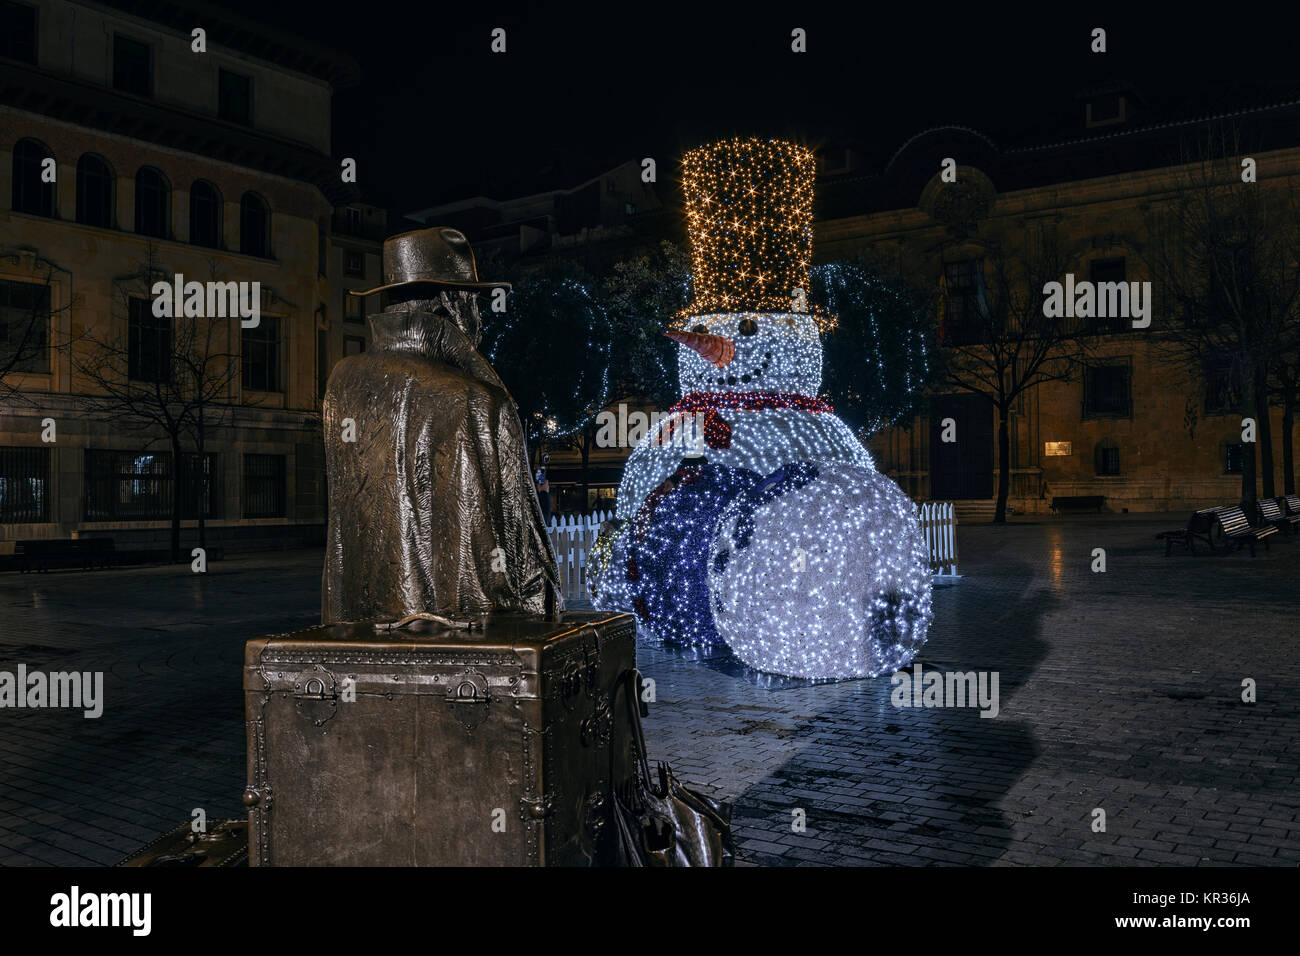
(1292, 504)
(1078, 501)
(41, 553)
(1200, 527)
(1271, 514)
(1238, 530)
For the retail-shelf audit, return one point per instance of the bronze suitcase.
(224, 844)
(430, 745)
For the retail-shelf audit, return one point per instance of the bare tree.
(172, 381)
(999, 340)
(28, 330)
(1223, 257)
(1287, 377)
(211, 363)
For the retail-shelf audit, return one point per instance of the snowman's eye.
(748, 327)
(699, 329)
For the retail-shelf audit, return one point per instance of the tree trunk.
(1248, 469)
(203, 484)
(176, 499)
(1004, 465)
(1264, 432)
(1288, 448)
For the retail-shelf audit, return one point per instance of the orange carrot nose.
(716, 349)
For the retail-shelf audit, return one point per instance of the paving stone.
(1117, 690)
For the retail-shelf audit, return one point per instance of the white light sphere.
(821, 571)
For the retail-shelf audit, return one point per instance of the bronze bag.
(661, 821)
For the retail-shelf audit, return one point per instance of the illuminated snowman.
(769, 529)
(749, 385)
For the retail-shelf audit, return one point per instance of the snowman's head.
(750, 352)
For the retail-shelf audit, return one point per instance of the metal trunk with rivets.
(431, 745)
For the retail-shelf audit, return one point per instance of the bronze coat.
(432, 507)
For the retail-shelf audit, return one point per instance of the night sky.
(438, 117)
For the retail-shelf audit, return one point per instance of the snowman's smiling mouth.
(753, 376)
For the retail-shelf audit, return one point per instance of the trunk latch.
(317, 694)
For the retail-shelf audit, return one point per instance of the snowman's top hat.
(749, 208)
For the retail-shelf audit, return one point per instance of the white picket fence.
(939, 525)
(572, 537)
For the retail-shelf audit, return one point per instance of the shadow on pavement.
(890, 785)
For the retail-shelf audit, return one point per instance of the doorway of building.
(961, 469)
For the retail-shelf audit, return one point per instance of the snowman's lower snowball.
(821, 571)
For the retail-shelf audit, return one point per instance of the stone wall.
(86, 264)
(1172, 447)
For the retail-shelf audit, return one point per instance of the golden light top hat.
(749, 210)
(438, 257)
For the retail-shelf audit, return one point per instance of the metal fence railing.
(24, 485)
(264, 486)
(140, 486)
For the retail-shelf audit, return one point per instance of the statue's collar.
(421, 332)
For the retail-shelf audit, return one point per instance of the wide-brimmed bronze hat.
(438, 257)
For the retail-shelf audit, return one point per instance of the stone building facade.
(356, 263)
(214, 165)
(1138, 427)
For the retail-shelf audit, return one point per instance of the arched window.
(30, 193)
(1106, 456)
(94, 191)
(153, 214)
(254, 226)
(205, 215)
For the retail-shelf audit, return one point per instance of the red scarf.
(749, 402)
(717, 431)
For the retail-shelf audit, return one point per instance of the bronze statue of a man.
(432, 506)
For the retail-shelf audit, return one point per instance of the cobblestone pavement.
(1118, 690)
